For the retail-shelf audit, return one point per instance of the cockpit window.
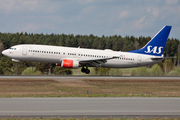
(12, 48)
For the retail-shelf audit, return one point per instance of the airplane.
(71, 57)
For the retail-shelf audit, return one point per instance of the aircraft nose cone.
(4, 52)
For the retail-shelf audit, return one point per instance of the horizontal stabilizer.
(160, 58)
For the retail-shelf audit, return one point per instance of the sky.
(85, 17)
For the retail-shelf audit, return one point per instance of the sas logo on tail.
(154, 50)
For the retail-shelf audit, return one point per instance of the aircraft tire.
(83, 70)
(87, 71)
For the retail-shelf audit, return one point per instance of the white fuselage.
(55, 54)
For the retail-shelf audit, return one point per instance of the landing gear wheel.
(87, 71)
(83, 70)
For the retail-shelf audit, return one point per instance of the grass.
(97, 88)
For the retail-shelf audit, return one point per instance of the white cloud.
(118, 31)
(139, 24)
(6, 5)
(171, 2)
(88, 9)
(10, 6)
(98, 17)
(170, 10)
(140, 20)
(31, 27)
(153, 10)
(86, 1)
(76, 18)
(124, 14)
(34, 26)
(54, 19)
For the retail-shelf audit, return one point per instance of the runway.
(89, 77)
(90, 107)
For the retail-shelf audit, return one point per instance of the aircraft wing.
(96, 62)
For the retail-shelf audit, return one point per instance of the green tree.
(140, 71)
(167, 66)
(1, 48)
(173, 73)
(62, 71)
(31, 71)
(156, 70)
(18, 67)
(6, 63)
(115, 72)
(103, 71)
(44, 68)
(1, 71)
(115, 42)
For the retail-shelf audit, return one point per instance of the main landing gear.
(85, 70)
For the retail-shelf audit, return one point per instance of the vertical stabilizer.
(157, 44)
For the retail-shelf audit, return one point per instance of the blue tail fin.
(156, 45)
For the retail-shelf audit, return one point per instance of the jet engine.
(68, 63)
(58, 64)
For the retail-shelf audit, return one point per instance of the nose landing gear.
(85, 70)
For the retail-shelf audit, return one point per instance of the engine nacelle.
(68, 63)
(15, 60)
(58, 64)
